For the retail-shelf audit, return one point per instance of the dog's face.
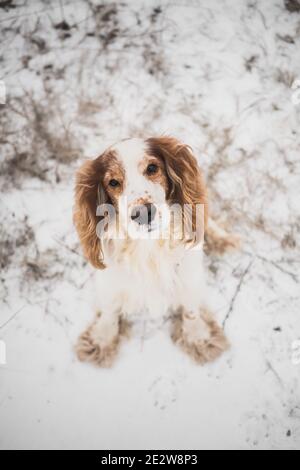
(136, 183)
(141, 180)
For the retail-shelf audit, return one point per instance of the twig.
(72, 250)
(276, 265)
(280, 268)
(271, 368)
(11, 318)
(237, 291)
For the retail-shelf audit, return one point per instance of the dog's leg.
(218, 240)
(199, 335)
(194, 328)
(100, 342)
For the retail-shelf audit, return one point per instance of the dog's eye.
(114, 183)
(152, 169)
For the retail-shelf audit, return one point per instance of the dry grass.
(13, 237)
(36, 142)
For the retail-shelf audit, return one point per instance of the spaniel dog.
(141, 213)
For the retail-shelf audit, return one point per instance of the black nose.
(143, 214)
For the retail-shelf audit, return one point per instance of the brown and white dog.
(136, 213)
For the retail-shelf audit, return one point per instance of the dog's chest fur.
(148, 277)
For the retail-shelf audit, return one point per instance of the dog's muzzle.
(143, 214)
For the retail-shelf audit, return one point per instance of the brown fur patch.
(89, 351)
(185, 180)
(91, 189)
(160, 177)
(202, 351)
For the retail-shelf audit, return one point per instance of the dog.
(137, 212)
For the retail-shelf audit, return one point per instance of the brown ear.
(87, 192)
(186, 182)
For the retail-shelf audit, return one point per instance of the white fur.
(151, 279)
(130, 153)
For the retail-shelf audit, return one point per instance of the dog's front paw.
(100, 343)
(203, 344)
(88, 349)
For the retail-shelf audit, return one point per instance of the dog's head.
(140, 186)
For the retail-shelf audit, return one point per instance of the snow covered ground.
(222, 76)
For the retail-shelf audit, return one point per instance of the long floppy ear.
(88, 194)
(186, 182)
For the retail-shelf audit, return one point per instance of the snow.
(79, 76)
